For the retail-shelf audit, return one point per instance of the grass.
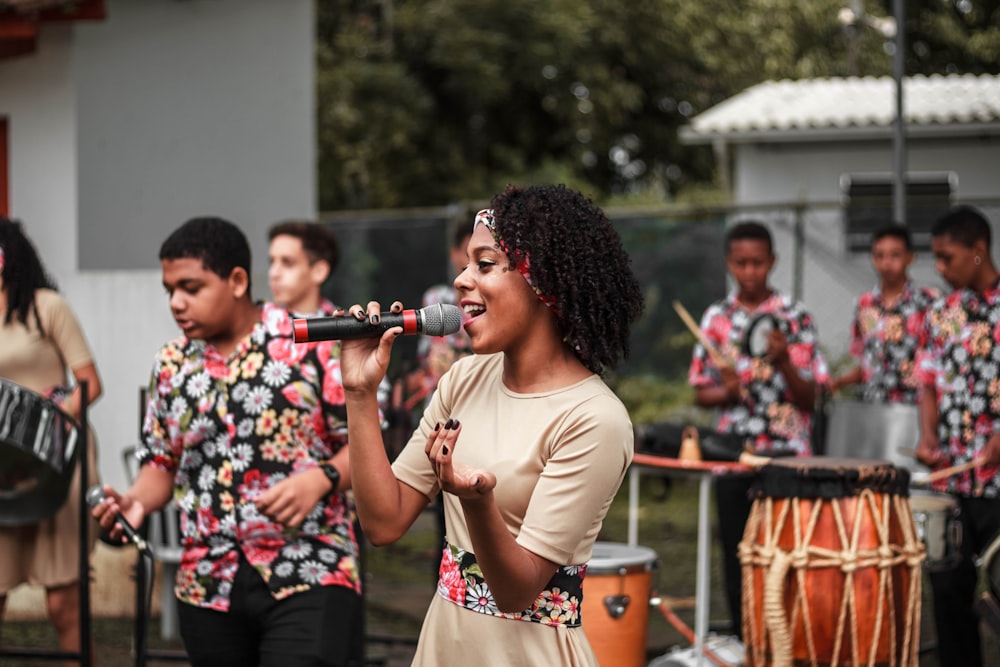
(400, 582)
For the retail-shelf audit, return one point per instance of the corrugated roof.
(835, 107)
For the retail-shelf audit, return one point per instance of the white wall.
(122, 129)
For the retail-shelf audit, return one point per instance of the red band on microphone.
(410, 322)
(300, 329)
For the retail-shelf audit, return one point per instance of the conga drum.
(38, 443)
(831, 565)
(615, 608)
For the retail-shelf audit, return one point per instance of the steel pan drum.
(873, 431)
(38, 448)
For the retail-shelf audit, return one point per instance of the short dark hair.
(893, 230)
(318, 241)
(749, 230)
(219, 244)
(965, 225)
(577, 258)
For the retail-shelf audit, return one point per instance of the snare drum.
(616, 592)
(831, 565)
(38, 443)
(939, 527)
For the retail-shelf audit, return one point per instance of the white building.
(119, 125)
(783, 144)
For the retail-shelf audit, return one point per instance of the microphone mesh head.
(95, 495)
(441, 319)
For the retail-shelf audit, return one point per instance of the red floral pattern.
(461, 581)
(230, 428)
(961, 358)
(885, 340)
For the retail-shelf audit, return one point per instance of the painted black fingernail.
(450, 424)
(455, 424)
(375, 318)
(437, 427)
(444, 450)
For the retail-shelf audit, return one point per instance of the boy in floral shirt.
(245, 429)
(888, 323)
(768, 400)
(960, 415)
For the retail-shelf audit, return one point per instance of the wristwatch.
(332, 474)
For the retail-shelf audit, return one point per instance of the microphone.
(95, 496)
(439, 319)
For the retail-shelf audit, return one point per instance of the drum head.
(614, 557)
(828, 477)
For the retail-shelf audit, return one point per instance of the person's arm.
(386, 506)
(514, 574)
(720, 395)
(852, 376)
(929, 447)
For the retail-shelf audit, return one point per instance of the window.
(868, 205)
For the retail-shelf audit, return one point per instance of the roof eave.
(690, 136)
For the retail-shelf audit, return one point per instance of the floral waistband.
(460, 580)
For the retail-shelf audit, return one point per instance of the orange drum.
(616, 592)
(831, 565)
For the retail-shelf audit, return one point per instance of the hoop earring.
(978, 260)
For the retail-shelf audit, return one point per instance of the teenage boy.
(244, 429)
(888, 322)
(767, 400)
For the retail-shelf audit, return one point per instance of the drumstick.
(948, 472)
(700, 335)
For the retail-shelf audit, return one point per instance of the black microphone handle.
(347, 327)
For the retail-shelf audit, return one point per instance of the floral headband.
(521, 259)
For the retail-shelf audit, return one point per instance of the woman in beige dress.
(525, 442)
(41, 348)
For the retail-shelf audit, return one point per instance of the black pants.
(321, 627)
(733, 509)
(954, 590)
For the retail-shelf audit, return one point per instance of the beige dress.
(46, 553)
(559, 458)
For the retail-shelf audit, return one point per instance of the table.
(706, 472)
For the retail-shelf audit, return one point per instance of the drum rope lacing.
(848, 559)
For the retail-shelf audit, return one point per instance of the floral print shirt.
(228, 428)
(885, 340)
(765, 413)
(961, 359)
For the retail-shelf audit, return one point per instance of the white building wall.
(122, 129)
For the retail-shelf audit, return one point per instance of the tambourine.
(755, 340)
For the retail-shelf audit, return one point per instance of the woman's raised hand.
(456, 478)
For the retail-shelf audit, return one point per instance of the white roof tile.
(810, 105)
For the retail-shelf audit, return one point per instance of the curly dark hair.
(576, 257)
(318, 241)
(219, 244)
(23, 273)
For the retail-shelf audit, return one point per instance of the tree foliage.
(424, 102)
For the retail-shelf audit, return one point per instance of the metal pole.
(899, 127)
(84, 554)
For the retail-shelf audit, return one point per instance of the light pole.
(890, 27)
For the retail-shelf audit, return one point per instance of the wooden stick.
(944, 473)
(700, 335)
